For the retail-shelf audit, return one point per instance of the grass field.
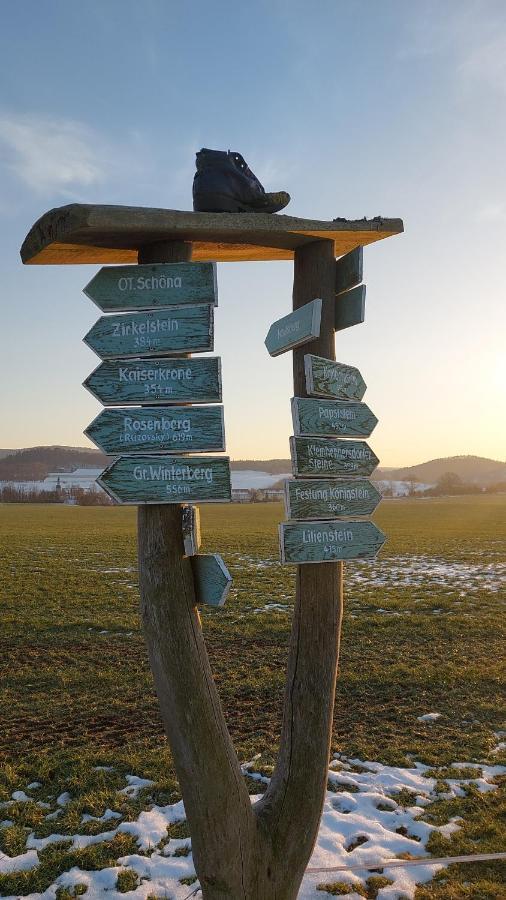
(422, 634)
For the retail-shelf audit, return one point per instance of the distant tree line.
(12, 494)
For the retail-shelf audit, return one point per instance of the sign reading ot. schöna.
(122, 288)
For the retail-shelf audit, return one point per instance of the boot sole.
(223, 203)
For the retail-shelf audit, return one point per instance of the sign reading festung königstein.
(327, 498)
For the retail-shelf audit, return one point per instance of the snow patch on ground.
(429, 717)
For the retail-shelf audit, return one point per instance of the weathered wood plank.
(326, 378)
(191, 529)
(168, 479)
(328, 499)
(350, 308)
(349, 270)
(212, 579)
(325, 542)
(330, 456)
(299, 327)
(123, 288)
(87, 233)
(171, 380)
(177, 429)
(179, 329)
(332, 417)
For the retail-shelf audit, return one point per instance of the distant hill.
(470, 469)
(34, 463)
(274, 466)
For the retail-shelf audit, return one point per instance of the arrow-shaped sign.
(298, 327)
(122, 288)
(327, 499)
(212, 579)
(168, 479)
(332, 417)
(187, 329)
(350, 308)
(131, 381)
(157, 429)
(330, 456)
(313, 542)
(349, 270)
(326, 378)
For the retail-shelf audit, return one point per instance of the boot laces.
(241, 164)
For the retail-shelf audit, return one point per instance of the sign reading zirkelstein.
(328, 498)
(168, 479)
(187, 329)
(315, 542)
(123, 288)
(330, 456)
(160, 428)
(131, 381)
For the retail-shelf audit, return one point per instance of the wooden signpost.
(299, 327)
(326, 378)
(328, 498)
(328, 456)
(168, 479)
(180, 429)
(122, 288)
(315, 542)
(133, 381)
(174, 330)
(267, 844)
(350, 308)
(332, 417)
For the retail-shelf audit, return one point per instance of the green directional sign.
(331, 456)
(299, 327)
(132, 381)
(187, 329)
(326, 378)
(330, 541)
(212, 579)
(123, 288)
(328, 498)
(168, 479)
(332, 417)
(177, 429)
(349, 270)
(350, 308)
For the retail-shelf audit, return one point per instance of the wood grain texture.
(168, 479)
(345, 418)
(87, 233)
(349, 270)
(191, 529)
(151, 381)
(324, 542)
(326, 378)
(299, 327)
(331, 457)
(330, 498)
(176, 330)
(123, 288)
(176, 429)
(212, 579)
(350, 308)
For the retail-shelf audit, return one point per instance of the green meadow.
(423, 633)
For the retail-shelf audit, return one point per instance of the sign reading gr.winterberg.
(132, 381)
(121, 288)
(211, 578)
(331, 456)
(168, 479)
(326, 378)
(156, 429)
(314, 542)
(178, 329)
(350, 308)
(298, 327)
(326, 499)
(328, 417)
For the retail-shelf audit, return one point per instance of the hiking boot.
(224, 183)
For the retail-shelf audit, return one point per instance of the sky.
(357, 108)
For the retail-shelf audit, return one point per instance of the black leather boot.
(224, 183)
